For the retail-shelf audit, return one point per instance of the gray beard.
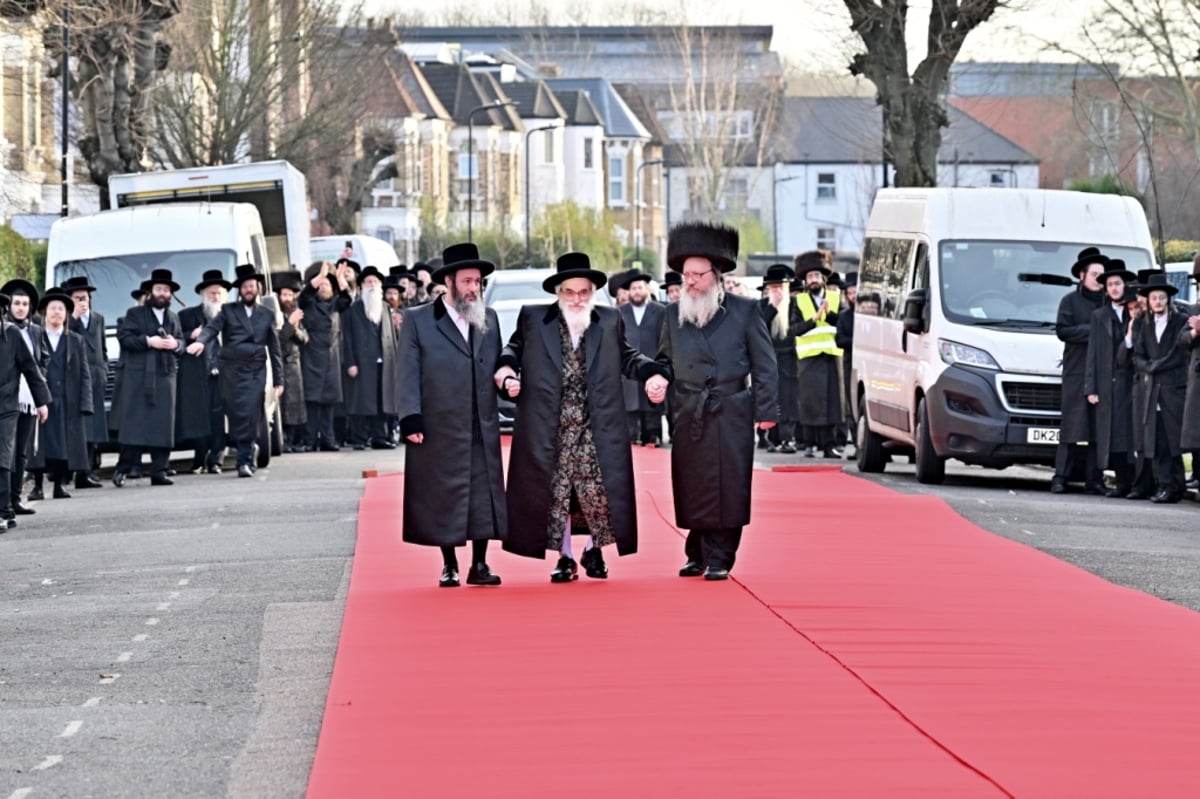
(577, 321)
(373, 304)
(474, 312)
(211, 309)
(779, 325)
(699, 311)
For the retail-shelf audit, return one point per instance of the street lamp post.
(528, 133)
(471, 156)
(775, 181)
(637, 208)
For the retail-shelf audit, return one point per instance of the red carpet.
(872, 645)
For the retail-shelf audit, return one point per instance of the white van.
(963, 361)
(368, 250)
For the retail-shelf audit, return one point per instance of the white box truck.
(276, 188)
(962, 360)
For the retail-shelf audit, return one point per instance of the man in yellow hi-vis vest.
(820, 360)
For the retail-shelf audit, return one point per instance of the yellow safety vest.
(821, 340)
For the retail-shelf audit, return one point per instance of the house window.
(616, 179)
(827, 238)
(385, 234)
(737, 194)
(826, 186)
(589, 154)
(548, 148)
(468, 170)
(999, 178)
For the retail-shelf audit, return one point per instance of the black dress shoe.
(1165, 497)
(36, 494)
(565, 570)
(171, 472)
(1094, 489)
(593, 564)
(10, 524)
(1135, 494)
(212, 468)
(87, 481)
(713, 573)
(382, 443)
(691, 569)
(449, 577)
(1058, 486)
(60, 492)
(135, 473)
(118, 480)
(161, 480)
(1117, 492)
(358, 447)
(787, 448)
(244, 470)
(772, 448)
(329, 447)
(480, 574)
(21, 510)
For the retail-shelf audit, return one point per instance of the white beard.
(373, 304)
(211, 309)
(779, 325)
(577, 321)
(474, 312)
(699, 311)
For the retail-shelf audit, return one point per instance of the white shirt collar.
(459, 321)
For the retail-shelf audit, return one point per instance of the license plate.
(1041, 435)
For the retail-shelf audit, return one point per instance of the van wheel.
(930, 468)
(870, 456)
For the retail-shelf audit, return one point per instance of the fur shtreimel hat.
(718, 243)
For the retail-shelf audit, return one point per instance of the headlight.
(955, 353)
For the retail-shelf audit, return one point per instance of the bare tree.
(913, 107)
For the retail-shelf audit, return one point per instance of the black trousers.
(6, 495)
(715, 548)
(478, 554)
(320, 424)
(26, 424)
(131, 458)
(822, 437)
(1168, 468)
(1122, 466)
(1067, 456)
(211, 451)
(645, 426)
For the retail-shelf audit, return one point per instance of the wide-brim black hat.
(718, 243)
(77, 283)
(812, 261)
(400, 270)
(393, 282)
(139, 292)
(287, 279)
(1158, 282)
(672, 279)
(574, 264)
(1143, 275)
(777, 273)
(851, 279)
(19, 285)
(246, 272)
(5, 300)
(462, 256)
(370, 271)
(1116, 268)
(160, 277)
(56, 294)
(355, 265)
(212, 277)
(1086, 257)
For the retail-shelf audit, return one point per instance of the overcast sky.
(812, 33)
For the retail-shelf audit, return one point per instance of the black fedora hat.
(160, 277)
(19, 285)
(355, 265)
(1157, 282)
(393, 282)
(1116, 268)
(212, 277)
(56, 294)
(778, 273)
(286, 279)
(139, 292)
(634, 275)
(400, 270)
(246, 272)
(574, 264)
(1143, 275)
(718, 243)
(672, 278)
(1088, 255)
(812, 261)
(77, 283)
(370, 271)
(851, 279)
(462, 256)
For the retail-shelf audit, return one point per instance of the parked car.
(525, 285)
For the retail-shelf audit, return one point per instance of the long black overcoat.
(321, 356)
(712, 457)
(447, 388)
(1073, 326)
(97, 350)
(291, 339)
(364, 343)
(644, 339)
(146, 417)
(1110, 377)
(1191, 407)
(63, 436)
(15, 361)
(194, 395)
(248, 341)
(535, 352)
(1162, 369)
(786, 361)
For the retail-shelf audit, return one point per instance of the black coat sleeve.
(28, 367)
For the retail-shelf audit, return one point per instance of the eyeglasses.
(694, 277)
(582, 294)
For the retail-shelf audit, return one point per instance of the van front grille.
(1033, 396)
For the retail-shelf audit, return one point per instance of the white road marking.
(190, 569)
(137, 639)
(47, 581)
(184, 581)
(163, 605)
(151, 622)
(982, 501)
(72, 728)
(95, 700)
(49, 762)
(1029, 532)
(20, 793)
(105, 679)
(124, 657)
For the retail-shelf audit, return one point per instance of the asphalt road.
(178, 641)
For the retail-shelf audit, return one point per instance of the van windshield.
(1016, 283)
(115, 276)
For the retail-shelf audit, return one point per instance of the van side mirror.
(916, 305)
